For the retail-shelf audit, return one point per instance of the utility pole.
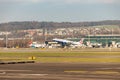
(89, 33)
(44, 30)
(6, 41)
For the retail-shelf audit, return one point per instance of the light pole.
(6, 41)
(88, 37)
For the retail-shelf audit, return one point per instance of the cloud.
(91, 1)
(105, 1)
(62, 1)
(20, 1)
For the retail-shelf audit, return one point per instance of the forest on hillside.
(53, 25)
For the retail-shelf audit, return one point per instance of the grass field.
(61, 55)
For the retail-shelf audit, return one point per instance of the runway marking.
(23, 76)
(106, 72)
(32, 74)
(14, 70)
(76, 71)
(94, 72)
(20, 75)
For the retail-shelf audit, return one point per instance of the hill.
(38, 25)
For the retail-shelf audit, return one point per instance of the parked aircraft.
(69, 43)
(96, 45)
(93, 44)
(118, 44)
(36, 45)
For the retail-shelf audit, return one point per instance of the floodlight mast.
(44, 31)
(6, 41)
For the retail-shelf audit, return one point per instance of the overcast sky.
(59, 10)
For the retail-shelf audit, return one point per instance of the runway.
(60, 71)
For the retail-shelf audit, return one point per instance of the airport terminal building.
(105, 40)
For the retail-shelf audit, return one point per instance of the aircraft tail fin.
(30, 43)
(81, 41)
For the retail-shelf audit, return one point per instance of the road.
(60, 71)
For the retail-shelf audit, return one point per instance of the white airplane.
(118, 44)
(36, 45)
(96, 45)
(69, 43)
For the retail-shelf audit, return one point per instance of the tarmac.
(60, 71)
(30, 70)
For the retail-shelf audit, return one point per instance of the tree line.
(38, 25)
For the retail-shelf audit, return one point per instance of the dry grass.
(62, 55)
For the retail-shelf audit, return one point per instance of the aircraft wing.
(62, 41)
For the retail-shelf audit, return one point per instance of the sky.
(59, 10)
